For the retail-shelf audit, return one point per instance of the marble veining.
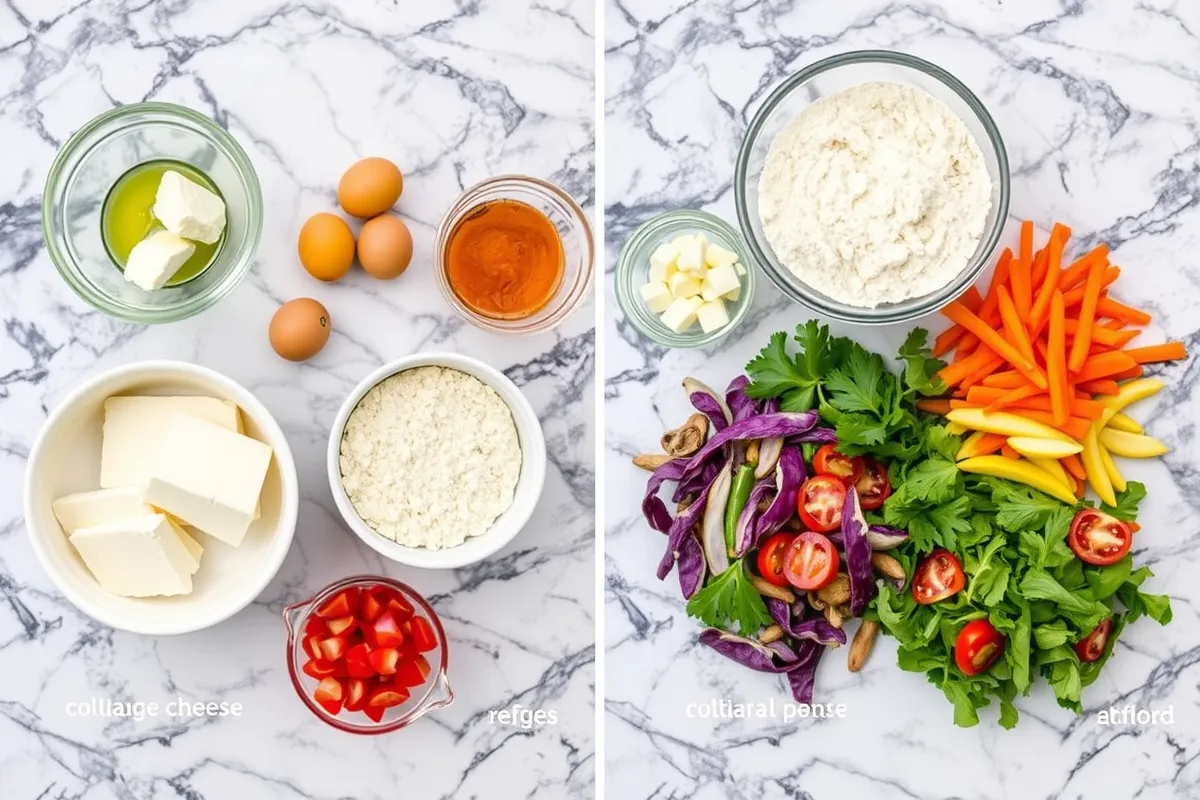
(1099, 106)
(454, 92)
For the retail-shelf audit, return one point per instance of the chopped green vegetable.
(730, 600)
(743, 482)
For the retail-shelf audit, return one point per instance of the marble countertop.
(454, 93)
(1099, 105)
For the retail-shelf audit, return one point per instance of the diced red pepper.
(332, 648)
(330, 694)
(316, 627)
(387, 631)
(375, 712)
(311, 645)
(384, 660)
(372, 605)
(399, 606)
(356, 694)
(358, 662)
(422, 634)
(342, 604)
(340, 625)
(387, 695)
(412, 672)
(318, 668)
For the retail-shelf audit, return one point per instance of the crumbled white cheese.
(430, 457)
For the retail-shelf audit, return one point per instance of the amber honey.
(504, 260)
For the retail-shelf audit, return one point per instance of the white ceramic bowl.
(66, 459)
(529, 484)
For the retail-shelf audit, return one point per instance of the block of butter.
(85, 509)
(134, 428)
(142, 556)
(208, 476)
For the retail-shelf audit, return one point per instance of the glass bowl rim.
(464, 203)
(641, 237)
(67, 267)
(880, 315)
(305, 608)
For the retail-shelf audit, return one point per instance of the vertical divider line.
(598, 229)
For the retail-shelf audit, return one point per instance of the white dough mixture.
(875, 194)
(430, 457)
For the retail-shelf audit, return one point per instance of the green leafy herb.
(1127, 502)
(730, 599)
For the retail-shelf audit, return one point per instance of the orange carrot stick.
(956, 403)
(1107, 307)
(1027, 241)
(934, 405)
(1105, 365)
(1056, 368)
(1013, 327)
(947, 339)
(1087, 318)
(990, 364)
(1133, 372)
(1100, 386)
(1076, 427)
(1104, 335)
(1074, 274)
(1010, 379)
(1054, 249)
(1074, 466)
(1010, 397)
(1008, 452)
(959, 313)
(1170, 351)
(1075, 296)
(1021, 279)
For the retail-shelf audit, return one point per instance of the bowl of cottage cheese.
(436, 460)
(872, 187)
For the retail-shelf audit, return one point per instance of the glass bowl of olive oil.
(98, 200)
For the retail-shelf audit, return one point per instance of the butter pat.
(691, 256)
(723, 279)
(141, 556)
(662, 262)
(86, 509)
(656, 296)
(715, 256)
(209, 477)
(712, 315)
(154, 260)
(189, 210)
(682, 284)
(681, 314)
(135, 426)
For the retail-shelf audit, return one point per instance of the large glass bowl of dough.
(872, 187)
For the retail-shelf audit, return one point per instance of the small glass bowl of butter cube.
(152, 212)
(683, 279)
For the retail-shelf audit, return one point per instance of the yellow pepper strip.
(1093, 464)
(1052, 449)
(1110, 468)
(1130, 392)
(1020, 471)
(1124, 422)
(1005, 424)
(1131, 445)
(955, 429)
(1052, 466)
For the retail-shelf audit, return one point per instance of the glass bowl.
(88, 166)
(633, 268)
(835, 74)
(573, 229)
(435, 693)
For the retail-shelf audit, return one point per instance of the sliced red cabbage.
(817, 436)
(770, 405)
(885, 537)
(789, 475)
(691, 567)
(816, 629)
(783, 424)
(744, 534)
(708, 403)
(653, 508)
(858, 554)
(749, 652)
(802, 677)
(681, 528)
(694, 483)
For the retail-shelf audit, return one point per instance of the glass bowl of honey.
(514, 255)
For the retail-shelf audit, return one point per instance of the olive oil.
(127, 215)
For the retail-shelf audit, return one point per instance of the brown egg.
(299, 329)
(385, 247)
(326, 247)
(370, 187)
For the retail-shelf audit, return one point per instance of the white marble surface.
(1099, 104)
(454, 92)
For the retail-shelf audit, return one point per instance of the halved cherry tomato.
(412, 672)
(342, 604)
(770, 558)
(1098, 538)
(423, 637)
(1091, 647)
(356, 694)
(828, 461)
(319, 668)
(340, 625)
(384, 660)
(811, 561)
(820, 502)
(387, 631)
(937, 577)
(873, 485)
(329, 694)
(977, 647)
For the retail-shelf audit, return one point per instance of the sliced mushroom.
(767, 589)
(687, 438)
(836, 615)
(887, 565)
(816, 603)
(771, 633)
(860, 648)
(752, 452)
(651, 461)
(837, 592)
